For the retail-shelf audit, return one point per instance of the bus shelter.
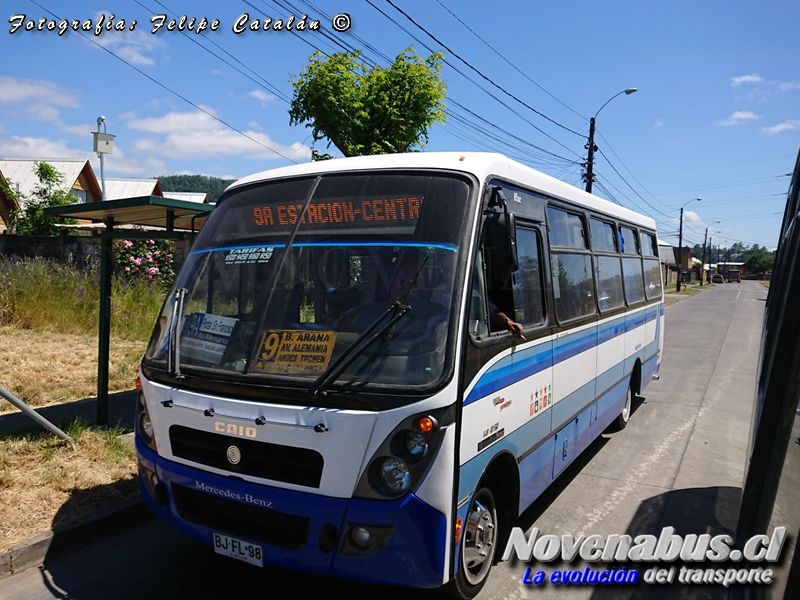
(175, 220)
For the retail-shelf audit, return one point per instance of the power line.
(632, 188)
(468, 78)
(721, 185)
(170, 90)
(467, 64)
(629, 171)
(265, 85)
(453, 113)
(493, 49)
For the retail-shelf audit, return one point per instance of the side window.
(572, 285)
(478, 319)
(528, 298)
(608, 274)
(566, 229)
(634, 282)
(629, 242)
(649, 247)
(652, 279)
(602, 236)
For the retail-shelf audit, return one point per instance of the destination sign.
(294, 351)
(366, 213)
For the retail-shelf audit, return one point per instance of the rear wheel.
(478, 546)
(625, 415)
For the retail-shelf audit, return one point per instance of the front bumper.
(301, 531)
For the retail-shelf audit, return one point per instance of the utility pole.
(705, 242)
(103, 144)
(680, 243)
(591, 147)
(590, 160)
(703, 266)
(680, 253)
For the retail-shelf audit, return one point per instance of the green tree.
(759, 261)
(213, 186)
(369, 110)
(29, 219)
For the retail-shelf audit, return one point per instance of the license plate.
(238, 549)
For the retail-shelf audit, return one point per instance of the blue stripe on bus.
(538, 466)
(449, 247)
(530, 361)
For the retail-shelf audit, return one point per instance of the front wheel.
(478, 546)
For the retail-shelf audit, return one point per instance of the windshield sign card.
(295, 352)
(206, 337)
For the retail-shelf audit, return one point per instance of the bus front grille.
(262, 525)
(288, 464)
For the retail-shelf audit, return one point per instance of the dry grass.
(46, 367)
(46, 483)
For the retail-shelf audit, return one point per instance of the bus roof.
(483, 165)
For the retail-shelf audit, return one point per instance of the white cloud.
(36, 147)
(39, 99)
(738, 117)
(753, 78)
(138, 47)
(692, 218)
(790, 125)
(197, 135)
(786, 86)
(118, 163)
(263, 97)
(254, 125)
(658, 124)
(216, 72)
(42, 100)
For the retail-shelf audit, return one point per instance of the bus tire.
(627, 409)
(478, 546)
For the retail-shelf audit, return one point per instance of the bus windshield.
(260, 304)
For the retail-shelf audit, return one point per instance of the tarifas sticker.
(293, 352)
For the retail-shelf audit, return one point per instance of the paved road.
(679, 462)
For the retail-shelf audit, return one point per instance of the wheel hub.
(479, 539)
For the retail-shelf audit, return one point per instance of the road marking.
(737, 296)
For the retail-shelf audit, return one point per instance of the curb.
(53, 544)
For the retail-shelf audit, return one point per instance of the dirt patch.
(44, 367)
(39, 475)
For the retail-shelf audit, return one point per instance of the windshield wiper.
(399, 307)
(174, 349)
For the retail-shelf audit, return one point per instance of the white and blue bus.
(369, 367)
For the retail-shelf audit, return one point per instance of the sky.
(716, 114)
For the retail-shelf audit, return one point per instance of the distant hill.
(213, 186)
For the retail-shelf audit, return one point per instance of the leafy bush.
(145, 259)
(29, 219)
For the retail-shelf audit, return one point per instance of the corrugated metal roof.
(21, 172)
(187, 196)
(118, 187)
(666, 254)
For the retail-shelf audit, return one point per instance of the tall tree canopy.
(369, 110)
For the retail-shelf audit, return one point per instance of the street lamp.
(591, 147)
(705, 242)
(680, 243)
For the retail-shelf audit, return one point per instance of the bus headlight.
(402, 461)
(144, 426)
(395, 475)
(416, 445)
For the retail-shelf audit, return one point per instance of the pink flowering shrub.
(145, 259)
